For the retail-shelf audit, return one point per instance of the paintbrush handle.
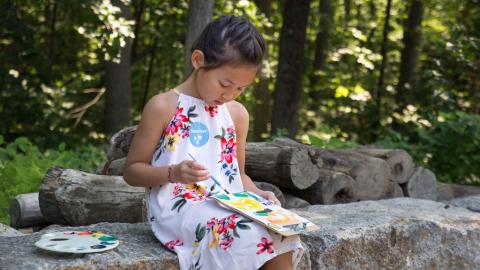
(213, 178)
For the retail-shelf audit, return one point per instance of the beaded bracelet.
(170, 174)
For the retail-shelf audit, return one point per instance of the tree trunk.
(118, 84)
(401, 163)
(345, 175)
(285, 167)
(380, 84)
(77, 198)
(410, 53)
(199, 15)
(25, 211)
(288, 87)
(321, 49)
(421, 185)
(347, 5)
(262, 111)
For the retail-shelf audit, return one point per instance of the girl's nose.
(227, 96)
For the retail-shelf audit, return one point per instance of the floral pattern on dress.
(224, 231)
(212, 110)
(191, 192)
(178, 128)
(265, 245)
(171, 244)
(229, 152)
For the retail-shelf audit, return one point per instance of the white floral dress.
(202, 233)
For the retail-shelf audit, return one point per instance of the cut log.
(120, 143)
(400, 162)
(25, 211)
(78, 198)
(448, 191)
(372, 175)
(114, 167)
(330, 188)
(422, 185)
(294, 202)
(287, 167)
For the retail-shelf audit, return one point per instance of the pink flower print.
(229, 150)
(171, 244)
(177, 122)
(231, 221)
(212, 110)
(222, 226)
(264, 245)
(177, 189)
(231, 132)
(226, 243)
(186, 131)
(212, 222)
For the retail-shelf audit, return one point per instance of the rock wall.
(400, 233)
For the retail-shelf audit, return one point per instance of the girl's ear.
(198, 59)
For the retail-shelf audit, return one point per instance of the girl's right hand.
(188, 172)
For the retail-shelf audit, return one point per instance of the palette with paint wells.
(268, 214)
(77, 241)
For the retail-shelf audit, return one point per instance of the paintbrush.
(213, 178)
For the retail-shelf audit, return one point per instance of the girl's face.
(223, 84)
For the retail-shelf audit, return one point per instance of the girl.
(199, 118)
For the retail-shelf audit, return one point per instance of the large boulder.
(6, 230)
(400, 233)
(471, 203)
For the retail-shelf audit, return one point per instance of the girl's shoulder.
(239, 115)
(161, 106)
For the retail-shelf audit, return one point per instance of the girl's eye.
(224, 86)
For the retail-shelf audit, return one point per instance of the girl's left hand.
(268, 195)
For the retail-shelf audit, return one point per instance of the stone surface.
(6, 230)
(471, 203)
(294, 202)
(139, 250)
(400, 233)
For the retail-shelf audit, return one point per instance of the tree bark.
(77, 198)
(410, 53)
(380, 84)
(25, 211)
(421, 185)
(199, 15)
(288, 87)
(285, 167)
(321, 42)
(400, 162)
(262, 111)
(118, 96)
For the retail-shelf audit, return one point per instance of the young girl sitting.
(200, 119)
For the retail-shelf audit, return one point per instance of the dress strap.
(176, 91)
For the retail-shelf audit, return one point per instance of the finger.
(198, 173)
(197, 165)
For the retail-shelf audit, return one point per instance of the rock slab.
(399, 233)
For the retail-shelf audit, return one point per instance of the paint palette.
(268, 214)
(77, 241)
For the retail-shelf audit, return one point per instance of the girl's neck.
(188, 86)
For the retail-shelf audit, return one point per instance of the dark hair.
(230, 40)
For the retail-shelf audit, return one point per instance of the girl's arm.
(241, 121)
(137, 170)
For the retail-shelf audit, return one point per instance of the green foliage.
(450, 146)
(22, 166)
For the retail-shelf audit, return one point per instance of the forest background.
(339, 74)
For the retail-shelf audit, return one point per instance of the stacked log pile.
(298, 174)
